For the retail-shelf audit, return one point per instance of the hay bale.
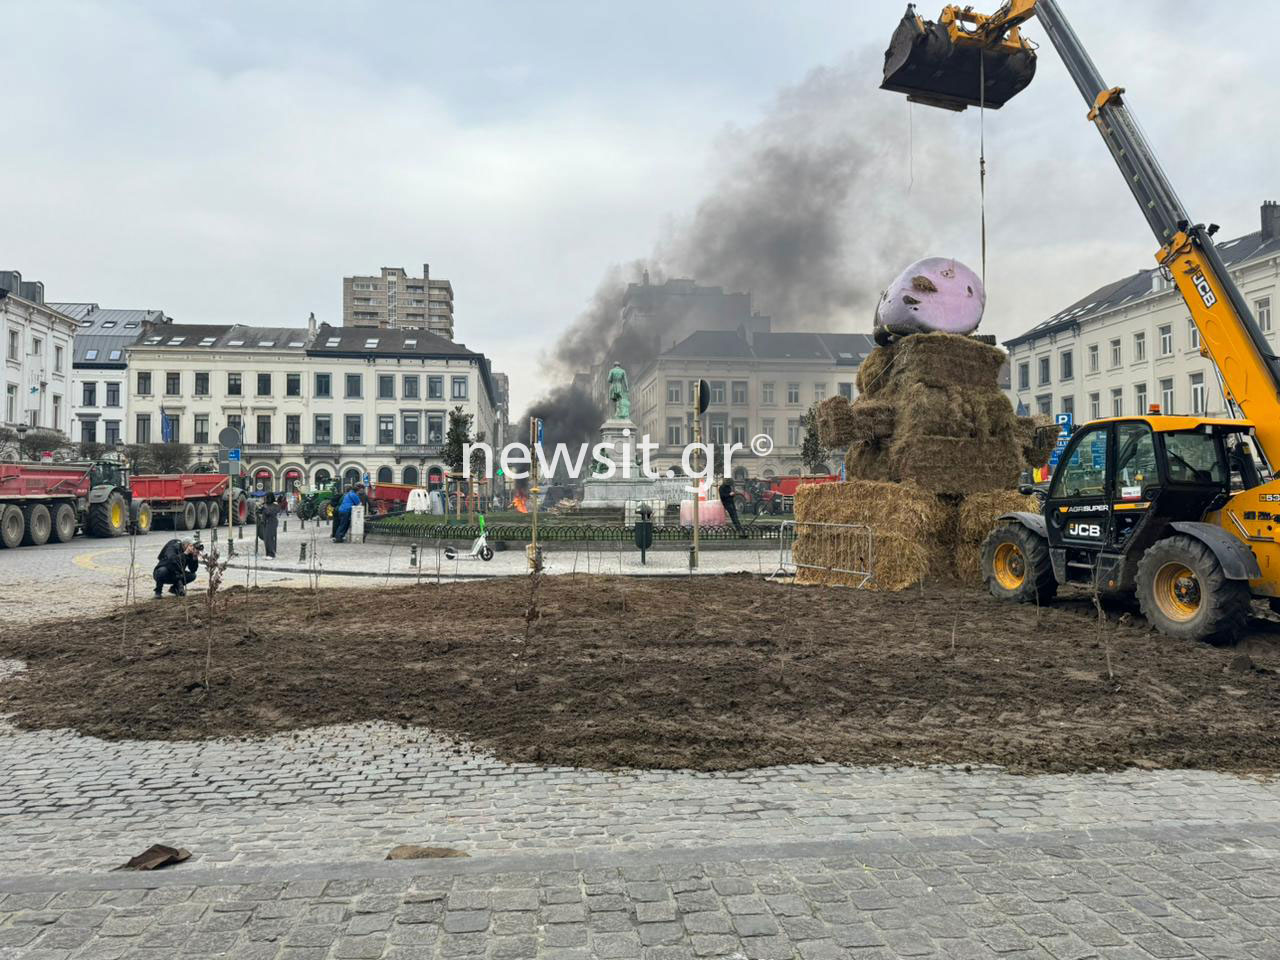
(978, 512)
(1036, 437)
(956, 466)
(872, 420)
(835, 423)
(945, 359)
(873, 371)
(868, 460)
(896, 561)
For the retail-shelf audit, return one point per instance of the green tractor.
(320, 502)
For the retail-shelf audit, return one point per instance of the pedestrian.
(177, 564)
(268, 523)
(349, 500)
(730, 508)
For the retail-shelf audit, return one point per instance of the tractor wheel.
(1185, 594)
(64, 523)
(12, 525)
(1015, 565)
(328, 509)
(142, 517)
(242, 509)
(185, 516)
(109, 518)
(202, 515)
(215, 514)
(39, 526)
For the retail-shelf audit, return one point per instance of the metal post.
(697, 439)
(535, 562)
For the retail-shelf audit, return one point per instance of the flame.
(519, 502)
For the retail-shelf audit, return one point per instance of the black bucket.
(923, 63)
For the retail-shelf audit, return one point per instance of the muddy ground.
(708, 673)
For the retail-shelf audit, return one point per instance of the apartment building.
(1132, 343)
(35, 357)
(761, 383)
(395, 300)
(313, 403)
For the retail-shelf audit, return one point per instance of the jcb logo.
(1203, 288)
(1088, 531)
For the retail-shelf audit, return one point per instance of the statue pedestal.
(617, 491)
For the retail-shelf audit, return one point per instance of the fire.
(519, 502)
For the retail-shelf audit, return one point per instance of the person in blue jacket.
(349, 500)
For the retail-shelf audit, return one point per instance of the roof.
(1141, 284)
(384, 342)
(217, 336)
(711, 343)
(103, 335)
(842, 349)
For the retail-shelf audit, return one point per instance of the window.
(719, 430)
(1139, 398)
(435, 388)
(202, 384)
(1024, 375)
(766, 427)
(739, 393)
(386, 386)
(355, 386)
(264, 428)
(57, 358)
(1085, 472)
(1043, 370)
(323, 428)
(1135, 460)
(111, 433)
(1093, 358)
(115, 355)
(1166, 395)
(1117, 402)
(1262, 310)
(264, 384)
(1116, 354)
(11, 403)
(1193, 334)
(1194, 457)
(293, 428)
(172, 384)
(386, 429)
(324, 385)
(236, 423)
(766, 392)
(1166, 340)
(142, 428)
(410, 384)
(738, 432)
(1095, 406)
(717, 391)
(371, 343)
(384, 475)
(846, 390)
(819, 392)
(1044, 404)
(57, 411)
(144, 384)
(458, 386)
(409, 426)
(675, 431)
(88, 431)
(233, 385)
(201, 432)
(353, 428)
(90, 397)
(93, 354)
(793, 393)
(113, 394)
(435, 428)
(674, 390)
(1139, 347)
(1197, 394)
(793, 433)
(1068, 405)
(1066, 366)
(293, 384)
(13, 352)
(37, 344)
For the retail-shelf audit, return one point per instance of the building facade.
(311, 404)
(1132, 343)
(761, 383)
(395, 300)
(35, 357)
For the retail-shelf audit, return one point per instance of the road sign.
(229, 437)
(234, 454)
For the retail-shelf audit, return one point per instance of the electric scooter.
(480, 549)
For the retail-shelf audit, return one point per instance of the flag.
(166, 429)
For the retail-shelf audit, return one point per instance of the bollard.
(286, 524)
(231, 547)
(302, 553)
(240, 532)
(413, 554)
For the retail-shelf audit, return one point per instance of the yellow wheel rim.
(1177, 591)
(117, 515)
(1010, 566)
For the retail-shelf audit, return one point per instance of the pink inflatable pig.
(937, 295)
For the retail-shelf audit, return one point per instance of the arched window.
(769, 474)
(739, 473)
(435, 478)
(323, 476)
(351, 476)
(410, 475)
(384, 475)
(795, 472)
(262, 479)
(292, 478)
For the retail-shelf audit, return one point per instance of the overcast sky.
(230, 162)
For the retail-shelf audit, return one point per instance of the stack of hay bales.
(932, 437)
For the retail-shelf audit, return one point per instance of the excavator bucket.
(929, 67)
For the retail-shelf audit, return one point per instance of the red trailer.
(51, 501)
(193, 501)
(391, 497)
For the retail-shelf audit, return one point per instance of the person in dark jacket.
(730, 508)
(178, 562)
(268, 524)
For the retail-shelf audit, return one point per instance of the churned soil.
(705, 673)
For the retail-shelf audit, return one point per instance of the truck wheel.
(1185, 594)
(64, 523)
(38, 526)
(215, 514)
(184, 518)
(12, 526)
(242, 509)
(1016, 566)
(109, 518)
(202, 515)
(142, 517)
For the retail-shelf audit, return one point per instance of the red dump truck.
(191, 501)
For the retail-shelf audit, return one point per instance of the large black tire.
(184, 518)
(1184, 592)
(110, 518)
(64, 523)
(215, 514)
(12, 525)
(202, 515)
(143, 518)
(1016, 565)
(39, 526)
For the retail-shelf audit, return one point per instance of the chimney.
(1270, 220)
(426, 271)
(311, 325)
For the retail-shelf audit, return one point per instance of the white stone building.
(760, 383)
(1131, 343)
(35, 347)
